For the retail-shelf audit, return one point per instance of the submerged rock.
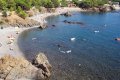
(73, 22)
(12, 68)
(67, 14)
(54, 25)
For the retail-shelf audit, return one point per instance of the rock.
(73, 22)
(59, 45)
(43, 26)
(1, 27)
(54, 25)
(95, 9)
(41, 62)
(67, 14)
(12, 68)
(106, 8)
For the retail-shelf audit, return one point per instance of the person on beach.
(17, 30)
(11, 39)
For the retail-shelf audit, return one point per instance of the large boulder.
(42, 62)
(67, 14)
(43, 26)
(106, 8)
(12, 68)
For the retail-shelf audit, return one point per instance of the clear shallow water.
(94, 56)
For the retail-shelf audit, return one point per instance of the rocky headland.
(18, 68)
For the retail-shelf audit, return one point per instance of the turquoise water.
(93, 56)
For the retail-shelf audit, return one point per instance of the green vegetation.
(21, 12)
(63, 3)
(93, 3)
(116, 0)
(21, 6)
(77, 2)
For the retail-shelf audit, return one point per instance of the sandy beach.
(9, 36)
(5, 46)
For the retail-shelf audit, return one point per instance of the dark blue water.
(94, 56)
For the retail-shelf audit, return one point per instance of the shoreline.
(41, 17)
(8, 31)
(13, 48)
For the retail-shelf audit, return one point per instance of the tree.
(64, 3)
(56, 3)
(11, 4)
(24, 4)
(77, 2)
(94, 3)
(3, 5)
(21, 13)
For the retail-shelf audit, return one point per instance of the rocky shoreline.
(18, 68)
(11, 33)
(10, 47)
(39, 18)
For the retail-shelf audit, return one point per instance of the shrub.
(1, 22)
(92, 3)
(21, 12)
(56, 3)
(4, 13)
(64, 3)
(3, 5)
(24, 4)
(77, 2)
(84, 5)
(47, 3)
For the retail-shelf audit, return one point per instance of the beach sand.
(8, 42)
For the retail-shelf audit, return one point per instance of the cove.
(95, 55)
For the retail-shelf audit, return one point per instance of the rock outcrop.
(73, 22)
(43, 26)
(106, 8)
(12, 68)
(14, 20)
(67, 14)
